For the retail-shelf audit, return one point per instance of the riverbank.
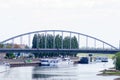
(117, 79)
(81, 72)
(110, 56)
(29, 62)
(21, 62)
(110, 72)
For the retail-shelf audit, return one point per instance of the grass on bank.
(104, 72)
(96, 54)
(110, 72)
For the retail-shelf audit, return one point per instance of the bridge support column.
(45, 39)
(95, 43)
(86, 42)
(29, 39)
(21, 40)
(62, 41)
(78, 41)
(37, 40)
(70, 40)
(54, 39)
(12, 43)
(103, 46)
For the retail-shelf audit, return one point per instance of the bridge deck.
(6, 50)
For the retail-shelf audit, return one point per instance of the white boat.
(56, 62)
(47, 62)
(104, 59)
(4, 67)
(101, 59)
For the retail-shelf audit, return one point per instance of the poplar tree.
(34, 42)
(50, 41)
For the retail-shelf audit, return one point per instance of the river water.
(72, 72)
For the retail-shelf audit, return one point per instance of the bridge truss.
(86, 43)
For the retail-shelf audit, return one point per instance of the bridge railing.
(19, 50)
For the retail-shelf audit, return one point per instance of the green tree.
(1, 45)
(58, 41)
(66, 42)
(50, 39)
(10, 55)
(74, 43)
(34, 42)
(42, 41)
(8, 45)
(117, 61)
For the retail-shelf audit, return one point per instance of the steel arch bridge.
(87, 44)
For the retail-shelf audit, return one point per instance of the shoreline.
(117, 79)
(110, 72)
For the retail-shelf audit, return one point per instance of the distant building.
(23, 46)
(10, 45)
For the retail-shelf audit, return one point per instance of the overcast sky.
(98, 18)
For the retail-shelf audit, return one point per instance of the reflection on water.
(73, 72)
(52, 73)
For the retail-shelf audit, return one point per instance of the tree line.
(117, 61)
(54, 41)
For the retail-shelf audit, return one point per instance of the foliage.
(74, 43)
(56, 41)
(10, 56)
(49, 42)
(110, 56)
(11, 45)
(1, 45)
(8, 45)
(117, 61)
(34, 43)
(66, 42)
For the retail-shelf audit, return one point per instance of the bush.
(9, 56)
(117, 61)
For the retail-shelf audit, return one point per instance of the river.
(72, 72)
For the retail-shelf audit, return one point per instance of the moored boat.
(84, 60)
(101, 59)
(56, 62)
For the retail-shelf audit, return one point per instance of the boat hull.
(55, 62)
